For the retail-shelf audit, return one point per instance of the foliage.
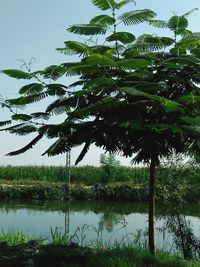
(129, 90)
(88, 175)
(173, 169)
(109, 165)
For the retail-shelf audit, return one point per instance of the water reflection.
(92, 221)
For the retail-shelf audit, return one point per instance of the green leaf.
(24, 100)
(185, 44)
(80, 68)
(59, 147)
(33, 88)
(56, 89)
(21, 129)
(87, 29)
(40, 115)
(27, 147)
(190, 99)
(158, 23)
(100, 82)
(104, 20)
(98, 59)
(21, 117)
(192, 121)
(18, 74)
(54, 72)
(60, 105)
(83, 152)
(169, 105)
(137, 16)
(105, 4)
(134, 63)
(195, 52)
(134, 92)
(177, 22)
(184, 32)
(73, 48)
(123, 37)
(147, 42)
(124, 2)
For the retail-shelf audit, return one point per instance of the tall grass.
(91, 175)
(55, 254)
(14, 236)
(88, 175)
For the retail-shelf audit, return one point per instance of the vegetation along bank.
(89, 183)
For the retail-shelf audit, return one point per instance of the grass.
(74, 256)
(91, 175)
(20, 248)
(88, 175)
(13, 237)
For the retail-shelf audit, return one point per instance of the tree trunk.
(152, 247)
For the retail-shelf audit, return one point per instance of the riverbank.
(40, 190)
(51, 255)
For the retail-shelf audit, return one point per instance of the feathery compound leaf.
(104, 20)
(21, 129)
(184, 32)
(40, 115)
(83, 152)
(59, 147)
(123, 37)
(30, 89)
(134, 92)
(54, 72)
(105, 4)
(24, 100)
(169, 105)
(61, 105)
(133, 63)
(192, 121)
(177, 22)
(56, 89)
(27, 147)
(4, 123)
(137, 16)
(87, 29)
(190, 99)
(21, 117)
(158, 23)
(73, 48)
(18, 74)
(147, 42)
(97, 59)
(124, 2)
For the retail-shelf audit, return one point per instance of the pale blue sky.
(34, 28)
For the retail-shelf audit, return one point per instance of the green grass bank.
(51, 255)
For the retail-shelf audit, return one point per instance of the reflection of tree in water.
(108, 220)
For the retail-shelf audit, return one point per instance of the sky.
(30, 30)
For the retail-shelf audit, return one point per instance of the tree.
(109, 165)
(134, 95)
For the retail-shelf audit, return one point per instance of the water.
(92, 222)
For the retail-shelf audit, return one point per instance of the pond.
(93, 223)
